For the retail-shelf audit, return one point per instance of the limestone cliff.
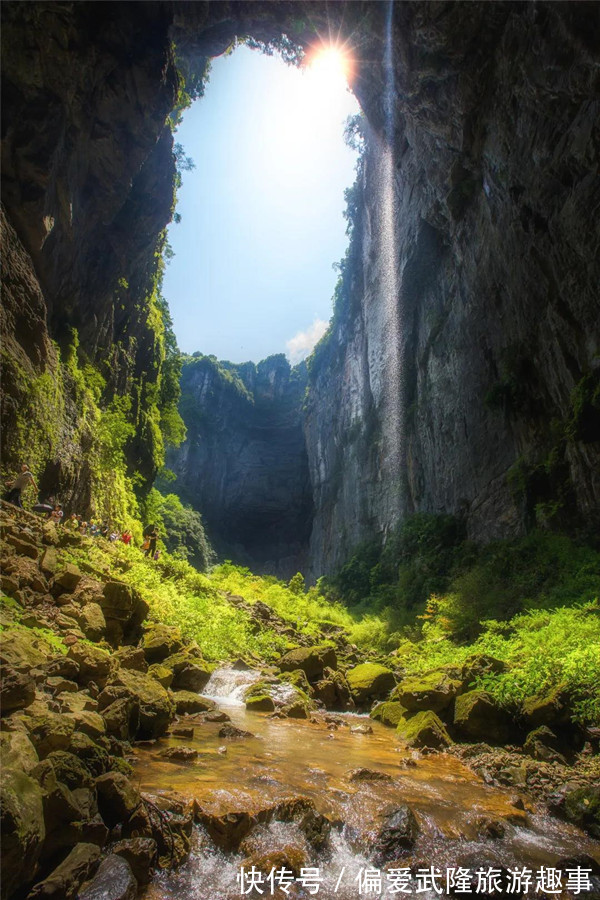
(244, 461)
(461, 373)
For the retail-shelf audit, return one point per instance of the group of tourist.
(75, 522)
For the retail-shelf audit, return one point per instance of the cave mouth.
(260, 220)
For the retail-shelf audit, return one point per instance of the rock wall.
(462, 373)
(244, 462)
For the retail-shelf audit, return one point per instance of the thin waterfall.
(390, 288)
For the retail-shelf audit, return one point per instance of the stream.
(287, 758)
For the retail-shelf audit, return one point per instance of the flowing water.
(291, 758)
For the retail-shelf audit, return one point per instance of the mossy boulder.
(50, 731)
(434, 691)
(187, 703)
(69, 769)
(297, 709)
(260, 703)
(122, 718)
(94, 757)
(368, 681)
(22, 828)
(161, 641)
(312, 661)
(23, 650)
(16, 749)
(66, 580)
(425, 729)
(389, 713)
(156, 708)
(94, 663)
(161, 673)
(333, 691)
(480, 665)
(17, 690)
(66, 879)
(478, 717)
(190, 673)
(92, 622)
(297, 677)
(549, 708)
(581, 806)
(140, 853)
(542, 744)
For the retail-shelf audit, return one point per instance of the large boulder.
(114, 880)
(49, 731)
(94, 663)
(369, 681)
(156, 709)
(581, 806)
(91, 621)
(124, 610)
(187, 703)
(70, 769)
(435, 691)
(333, 691)
(398, 835)
(260, 703)
(478, 666)
(478, 717)
(17, 690)
(118, 798)
(189, 673)
(66, 879)
(424, 729)
(140, 853)
(22, 828)
(549, 708)
(66, 580)
(17, 750)
(89, 752)
(122, 718)
(160, 641)
(312, 661)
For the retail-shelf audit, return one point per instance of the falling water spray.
(390, 288)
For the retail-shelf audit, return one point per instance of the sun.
(329, 66)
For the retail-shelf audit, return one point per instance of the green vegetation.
(181, 528)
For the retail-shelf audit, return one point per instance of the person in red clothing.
(126, 537)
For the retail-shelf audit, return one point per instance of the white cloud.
(302, 343)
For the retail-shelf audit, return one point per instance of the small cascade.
(228, 685)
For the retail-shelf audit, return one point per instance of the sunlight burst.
(330, 66)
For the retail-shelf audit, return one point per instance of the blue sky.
(262, 219)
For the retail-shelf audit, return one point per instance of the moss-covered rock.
(478, 717)
(122, 718)
(368, 681)
(581, 806)
(94, 757)
(94, 663)
(260, 703)
(69, 769)
(312, 661)
(22, 828)
(118, 798)
(187, 703)
(389, 713)
(434, 691)
(160, 641)
(156, 708)
(161, 673)
(92, 622)
(550, 708)
(298, 678)
(17, 750)
(190, 673)
(140, 853)
(480, 665)
(66, 879)
(49, 731)
(424, 729)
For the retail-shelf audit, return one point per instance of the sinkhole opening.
(260, 221)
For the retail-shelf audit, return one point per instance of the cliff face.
(461, 374)
(244, 461)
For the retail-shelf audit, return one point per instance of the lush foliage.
(181, 528)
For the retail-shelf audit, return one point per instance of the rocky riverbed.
(128, 759)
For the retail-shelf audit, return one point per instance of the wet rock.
(231, 731)
(397, 835)
(424, 729)
(368, 681)
(189, 673)
(581, 806)
(114, 880)
(180, 754)
(389, 713)
(117, 797)
(297, 709)
(161, 674)
(65, 880)
(312, 661)
(477, 716)
(434, 691)
(67, 836)
(182, 731)
(368, 775)
(290, 857)
(260, 703)
(361, 729)
(17, 691)
(94, 664)
(187, 703)
(160, 641)
(22, 828)
(227, 831)
(489, 829)
(141, 855)
(333, 691)
(216, 716)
